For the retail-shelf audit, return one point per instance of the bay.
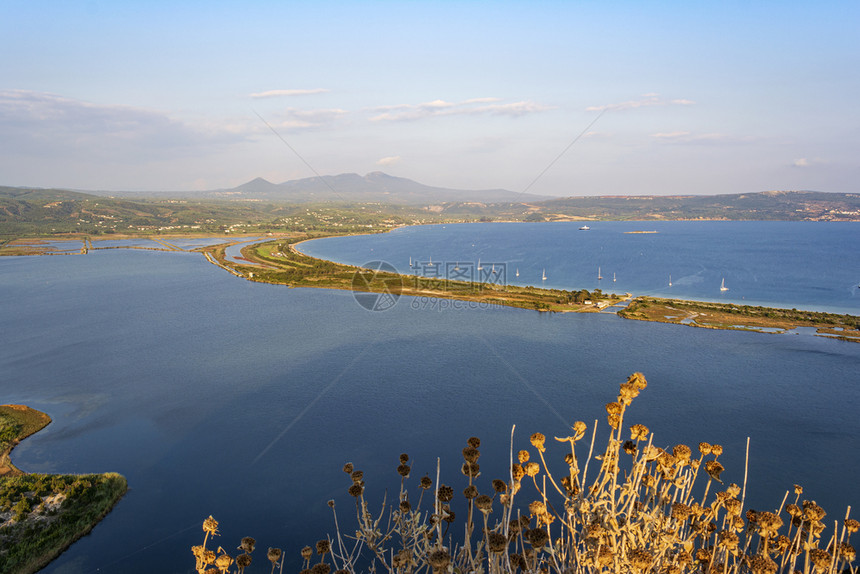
(215, 395)
(807, 265)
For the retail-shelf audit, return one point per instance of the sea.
(219, 396)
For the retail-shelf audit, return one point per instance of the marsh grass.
(631, 507)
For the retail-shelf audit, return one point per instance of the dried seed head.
(637, 380)
(733, 489)
(716, 450)
(403, 470)
(538, 440)
(347, 468)
(569, 459)
(517, 561)
(638, 432)
(531, 468)
(496, 542)
(798, 490)
(781, 544)
(471, 469)
(820, 559)
(640, 559)
(768, 524)
(626, 393)
(320, 568)
(247, 544)
(705, 448)
(682, 452)
(793, 510)
(471, 491)
(471, 454)
(604, 557)
(274, 554)
(331, 503)
(714, 469)
(474, 442)
(517, 471)
(445, 493)
(405, 506)
(812, 511)
(680, 511)
(210, 526)
(484, 503)
(728, 539)
(426, 482)
(852, 525)
(523, 456)
(847, 551)
(538, 538)
(499, 485)
(761, 564)
(355, 490)
(323, 546)
(537, 508)
(404, 458)
(579, 429)
(630, 447)
(733, 507)
(223, 562)
(357, 476)
(307, 552)
(614, 408)
(244, 560)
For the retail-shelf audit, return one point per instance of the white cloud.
(645, 101)
(808, 162)
(390, 160)
(473, 106)
(45, 125)
(288, 93)
(292, 118)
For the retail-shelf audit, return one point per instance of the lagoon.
(216, 395)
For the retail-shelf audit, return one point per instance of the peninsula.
(279, 261)
(43, 514)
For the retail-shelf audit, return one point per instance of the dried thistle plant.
(638, 514)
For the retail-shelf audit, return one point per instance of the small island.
(43, 514)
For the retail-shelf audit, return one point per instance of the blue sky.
(668, 97)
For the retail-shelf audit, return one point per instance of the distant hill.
(348, 188)
(765, 205)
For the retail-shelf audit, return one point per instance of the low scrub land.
(43, 514)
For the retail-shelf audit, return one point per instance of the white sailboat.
(479, 264)
(599, 276)
(723, 285)
(543, 278)
(670, 280)
(613, 276)
(518, 271)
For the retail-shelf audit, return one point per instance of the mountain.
(349, 188)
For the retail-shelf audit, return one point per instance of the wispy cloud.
(293, 118)
(688, 137)
(288, 93)
(390, 160)
(473, 106)
(645, 100)
(807, 162)
(42, 124)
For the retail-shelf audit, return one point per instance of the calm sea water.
(779, 264)
(215, 395)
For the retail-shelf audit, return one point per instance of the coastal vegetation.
(741, 317)
(278, 261)
(629, 507)
(43, 514)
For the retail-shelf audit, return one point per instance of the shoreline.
(266, 269)
(41, 521)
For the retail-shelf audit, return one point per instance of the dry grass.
(631, 507)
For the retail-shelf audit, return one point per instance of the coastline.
(46, 513)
